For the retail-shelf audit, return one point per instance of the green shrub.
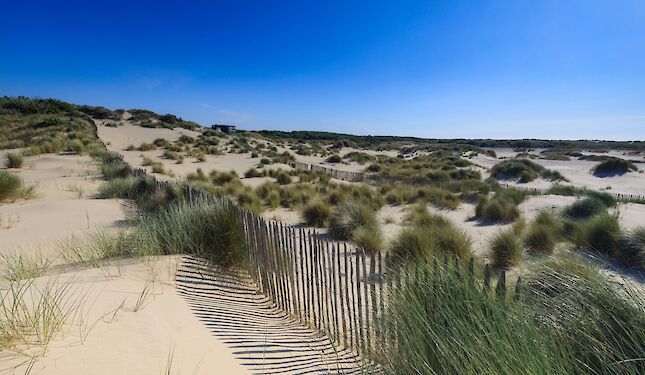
(601, 233)
(10, 185)
(540, 239)
(114, 169)
(148, 147)
(252, 172)
(506, 250)
(607, 199)
(208, 229)
(498, 208)
(368, 238)
(522, 169)
(283, 178)
(75, 146)
(14, 160)
(584, 208)
(444, 325)
(316, 213)
(631, 248)
(334, 159)
(349, 216)
(613, 166)
(221, 178)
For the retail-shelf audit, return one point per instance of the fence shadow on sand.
(261, 335)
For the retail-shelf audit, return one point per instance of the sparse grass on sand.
(14, 160)
(12, 188)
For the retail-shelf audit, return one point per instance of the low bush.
(14, 160)
(10, 185)
(506, 250)
(334, 159)
(221, 178)
(601, 234)
(498, 208)
(631, 248)
(283, 178)
(208, 229)
(252, 172)
(613, 167)
(368, 238)
(349, 216)
(522, 169)
(584, 208)
(147, 147)
(316, 213)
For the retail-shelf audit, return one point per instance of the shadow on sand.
(260, 335)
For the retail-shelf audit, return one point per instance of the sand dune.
(64, 205)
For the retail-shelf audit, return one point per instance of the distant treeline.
(369, 141)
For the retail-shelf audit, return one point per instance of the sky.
(438, 69)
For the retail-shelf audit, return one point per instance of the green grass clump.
(444, 325)
(14, 160)
(522, 169)
(349, 216)
(147, 147)
(334, 159)
(584, 208)
(208, 229)
(613, 167)
(631, 248)
(283, 178)
(368, 238)
(505, 250)
(10, 186)
(427, 235)
(316, 213)
(501, 207)
(601, 233)
(222, 178)
(253, 172)
(543, 234)
(602, 324)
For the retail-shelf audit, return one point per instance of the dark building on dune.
(224, 128)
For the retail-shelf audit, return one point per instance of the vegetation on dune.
(613, 167)
(543, 233)
(10, 185)
(316, 213)
(45, 126)
(505, 250)
(523, 170)
(14, 160)
(501, 207)
(428, 235)
(584, 208)
(347, 217)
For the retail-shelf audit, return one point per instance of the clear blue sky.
(473, 69)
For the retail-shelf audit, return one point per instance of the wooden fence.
(367, 178)
(335, 173)
(331, 286)
(627, 198)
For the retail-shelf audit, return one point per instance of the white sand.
(113, 338)
(578, 172)
(64, 205)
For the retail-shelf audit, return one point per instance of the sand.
(578, 172)
(64, 205)
(110, 336)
